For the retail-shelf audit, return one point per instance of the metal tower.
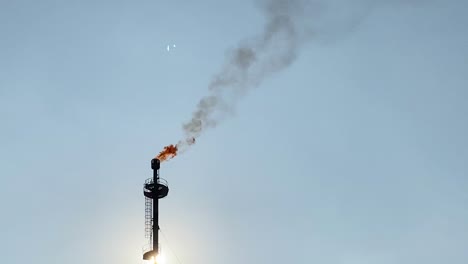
(154, 189)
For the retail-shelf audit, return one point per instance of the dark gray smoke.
(289, 25)
(274, 49)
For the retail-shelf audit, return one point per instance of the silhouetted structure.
(154, 189)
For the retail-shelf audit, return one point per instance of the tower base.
(150, 255)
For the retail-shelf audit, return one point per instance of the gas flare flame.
(172, 150)
(168, 152)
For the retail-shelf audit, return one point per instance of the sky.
(355, 153)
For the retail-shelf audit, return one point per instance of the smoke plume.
(246, 66)
(288, 26)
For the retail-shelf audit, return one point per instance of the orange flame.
(168, 153)
(172, 150)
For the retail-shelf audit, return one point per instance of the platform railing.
(163, 182)
(150, 181)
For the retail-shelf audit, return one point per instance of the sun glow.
(160, 259)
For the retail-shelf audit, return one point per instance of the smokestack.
(155, 164)
(153, 190)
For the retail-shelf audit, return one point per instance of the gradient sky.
(355, 154)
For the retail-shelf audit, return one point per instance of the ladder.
(148, 217)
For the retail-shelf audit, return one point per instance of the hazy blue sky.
(355, 154)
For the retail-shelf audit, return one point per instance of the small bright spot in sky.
(169, 47)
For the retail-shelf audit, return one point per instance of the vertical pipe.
(155, 167)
